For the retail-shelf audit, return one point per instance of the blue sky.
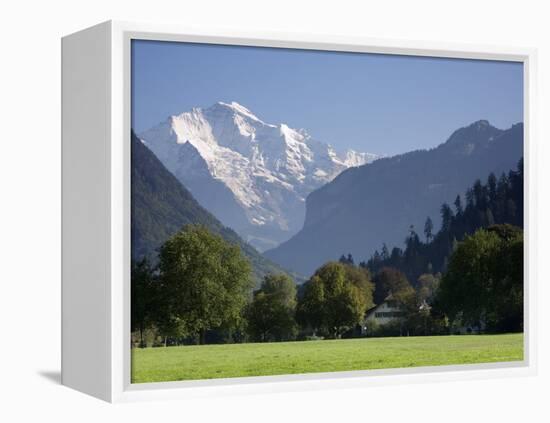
(376, 103)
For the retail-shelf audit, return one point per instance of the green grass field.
(237, 360)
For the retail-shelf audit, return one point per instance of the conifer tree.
(428, 228)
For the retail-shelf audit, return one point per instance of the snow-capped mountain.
(252, 175)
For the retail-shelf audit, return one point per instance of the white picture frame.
(96, 212)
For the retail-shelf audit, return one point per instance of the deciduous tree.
(335, 298)
(391, 280)
(271, 314)
(206, 278)
(143, 297)
(484, 281)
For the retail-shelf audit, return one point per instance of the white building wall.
(382, 308)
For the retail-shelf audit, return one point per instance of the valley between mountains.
(289, 200)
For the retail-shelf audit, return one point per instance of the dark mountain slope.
(161, 206)
(367, 206)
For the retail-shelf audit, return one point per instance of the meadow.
(261, 359)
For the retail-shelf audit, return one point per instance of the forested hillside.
(366, 206)
(497, 201)
(161, 206)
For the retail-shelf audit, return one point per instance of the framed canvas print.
(246, 212)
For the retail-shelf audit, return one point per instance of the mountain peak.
(234, 107)
(267, 169)
(477, 126)
(475, 132)
(481, 124)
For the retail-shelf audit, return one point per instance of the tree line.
(470, 271)
(498, 201)
(481, 288)
(476, 258)
(201, 292)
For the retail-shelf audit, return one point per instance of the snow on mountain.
(252, 175)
